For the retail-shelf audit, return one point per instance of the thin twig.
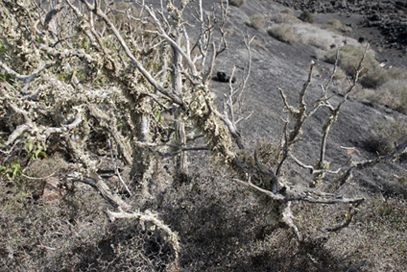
(116, 170)
(28, 177)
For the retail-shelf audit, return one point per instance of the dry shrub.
(401, 177)
(372, 75)
(73, 234)
(381, 232)
(223, 228)
(237, 3)
(376, 234)
(387, 136)
(229, 32)
(335, 24)
(392, 94)
(284, 18)
(315, 36)
(283, 32)
(257, 21)
(258, 43)
(388, 85)
(307, 16)
(397, 73)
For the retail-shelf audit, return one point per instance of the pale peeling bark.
(176, 78)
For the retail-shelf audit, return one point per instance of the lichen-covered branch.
(147, 216)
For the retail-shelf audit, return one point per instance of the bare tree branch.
(27, 78)
(116, 169)
(301, 197)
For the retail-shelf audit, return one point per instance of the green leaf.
(29, 144)
(15, 164)
(2, 47)
(36, 152)
(6, 77)
(3, 169)
(15, 170)
(84, 42)
(42, 145)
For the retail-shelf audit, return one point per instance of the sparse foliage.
(307, 17)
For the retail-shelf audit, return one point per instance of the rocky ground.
(382, 22)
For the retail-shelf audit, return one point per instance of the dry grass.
(393, 94)
(321, 38)
(377, 234)
(339, 76)
(257, 21)
(336, 26)
(284, 18)
(283, 32)
(335, 23)
(72, 234)
(258, 43)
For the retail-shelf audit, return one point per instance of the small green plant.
(11, 171)
(2, 47)
(284, 33)
(157, 116)
(5, 77)
(257, 21)
(307, 17)
(268, 153)
(237, 3)
(38, 151)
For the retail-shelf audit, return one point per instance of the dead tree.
(120, 68)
